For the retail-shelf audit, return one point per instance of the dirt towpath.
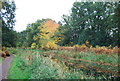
(4, 67)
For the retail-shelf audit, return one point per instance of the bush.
(50, 45)
(82, 48)
(33, 46)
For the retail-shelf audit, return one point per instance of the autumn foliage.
(98, 50)
(47, 39)
(33, 46)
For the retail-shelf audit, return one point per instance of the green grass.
(89, 56)
(41, 68)
(13, 50)
(45, 68)
(0, 59)
(19, 70)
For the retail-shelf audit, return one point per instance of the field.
(81, 44)
(62, 64)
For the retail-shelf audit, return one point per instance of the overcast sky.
(28, 11)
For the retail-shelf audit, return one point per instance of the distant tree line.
(97, 22)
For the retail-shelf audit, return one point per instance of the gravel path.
(4, 67)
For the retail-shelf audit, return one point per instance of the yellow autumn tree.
(47, 39)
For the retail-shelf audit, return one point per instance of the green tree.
(32, 32)
(7, 14)
(90, 21)
(27, 37)
(116, 28)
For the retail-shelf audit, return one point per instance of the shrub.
(82, 48)
(50, 45)
(33, 46)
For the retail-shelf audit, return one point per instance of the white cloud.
(28, 11)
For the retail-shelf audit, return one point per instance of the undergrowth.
(31, 64)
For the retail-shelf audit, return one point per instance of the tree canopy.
(95, 22)
(92, 21)
(7, 14)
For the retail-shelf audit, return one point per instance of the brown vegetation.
(5, 53)
(97, 50)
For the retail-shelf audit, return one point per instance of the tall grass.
(31, 64)
(41, 68)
